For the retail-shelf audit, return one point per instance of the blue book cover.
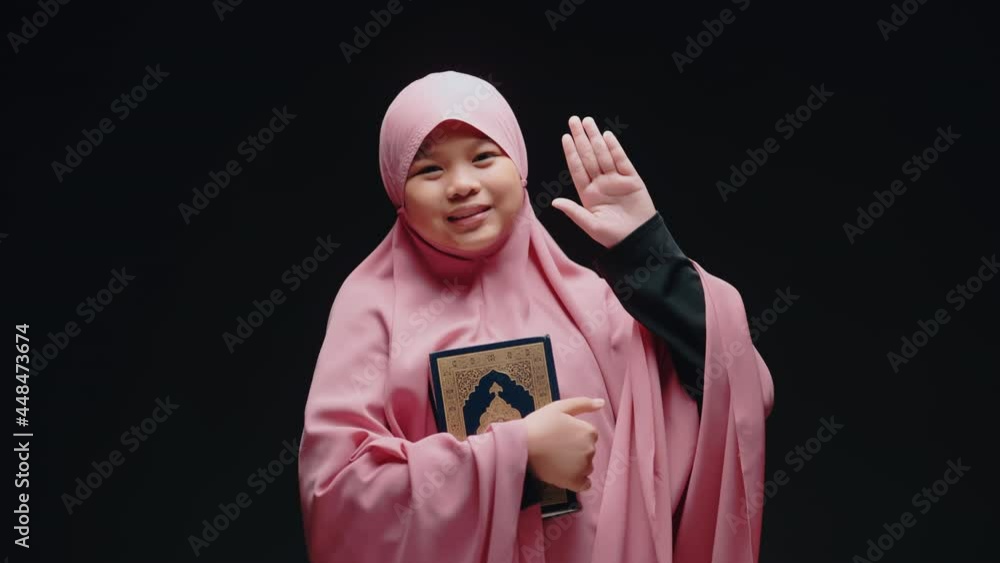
(475, 386)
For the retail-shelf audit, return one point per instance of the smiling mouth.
(466, 215)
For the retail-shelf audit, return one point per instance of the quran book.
(496, 382)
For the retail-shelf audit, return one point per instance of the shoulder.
(366, 294)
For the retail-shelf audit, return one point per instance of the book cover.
(507, 380)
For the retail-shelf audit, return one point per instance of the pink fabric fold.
(378, 483)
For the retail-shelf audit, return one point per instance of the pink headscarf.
(379, 483)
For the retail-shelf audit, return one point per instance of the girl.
(666, 464)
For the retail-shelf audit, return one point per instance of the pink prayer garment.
(380, 484)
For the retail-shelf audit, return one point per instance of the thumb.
(577, 405)
(576, 212)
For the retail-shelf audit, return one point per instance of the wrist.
(632, 225)
(529, 442)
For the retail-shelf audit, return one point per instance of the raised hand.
(614, 198)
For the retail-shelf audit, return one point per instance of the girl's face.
(462, 191)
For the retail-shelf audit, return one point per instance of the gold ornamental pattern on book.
(460, 375)
(480, 385)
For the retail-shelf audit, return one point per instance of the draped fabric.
(379, 483)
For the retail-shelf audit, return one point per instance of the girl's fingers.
(577, 213)
(583, 147)
(576, 170)
(622, 163)
(601, 152)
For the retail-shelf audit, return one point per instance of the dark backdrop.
(67, 232)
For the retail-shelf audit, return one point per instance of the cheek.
(509, 189)
(511, 205)
(418, 203)
(418, 198)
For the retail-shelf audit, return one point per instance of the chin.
(478, 240)
(475, 243)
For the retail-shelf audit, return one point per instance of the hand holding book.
(474, 387)
(561, 447)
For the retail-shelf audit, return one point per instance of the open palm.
(614, 198)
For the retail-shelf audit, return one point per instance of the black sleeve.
(532, 490)
(659, 287)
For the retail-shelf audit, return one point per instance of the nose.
(463, 184)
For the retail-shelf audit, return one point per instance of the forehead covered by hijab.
(442, 132)
(431, 100)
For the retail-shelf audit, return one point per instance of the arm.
(617, 211)
(369, 495)
(660, 288)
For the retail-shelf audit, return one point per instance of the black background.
(162, 336)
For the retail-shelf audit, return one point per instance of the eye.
(427, 169)
(486, 154)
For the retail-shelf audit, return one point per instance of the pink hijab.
(378, 482)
